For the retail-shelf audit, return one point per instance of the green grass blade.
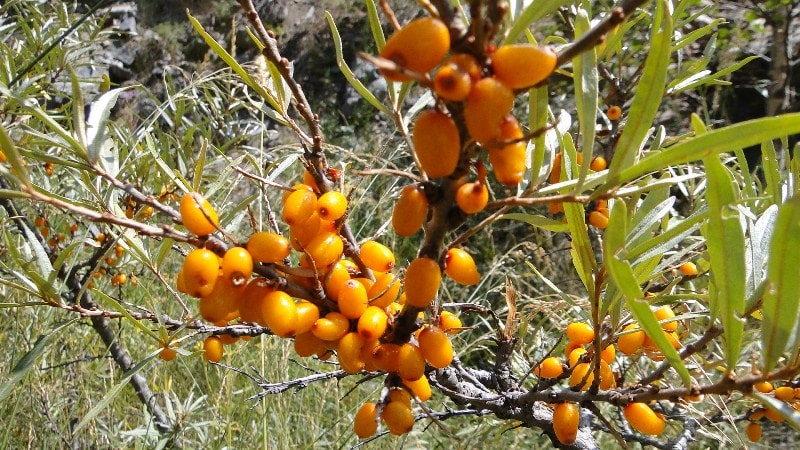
(535, 11)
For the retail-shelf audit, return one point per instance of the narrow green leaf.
(538, 221)
(790, 415)
(199, 166)
(12, 155)
(772, 171)
(649, 93)
(647, 221)
(709, 79)
(78, 110)
(538, 99)
(583, 257)
(668, 239)
(726, 250)
(782, 296)
(533, 12)
(586, 82)
(375, 25)
(120, 309)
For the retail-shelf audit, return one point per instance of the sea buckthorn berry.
(349, 352)
(306, 344)
(472, 197)
(598, 220)
(688, 269)
(267, 247)
(435, 346)
(523, 65)
(582, 376)
(410, 362)
(459, 265)
(509, 160)
(575, 355)
(331, 205)
(580, 332)
(331, 327)
(400, 395)
(237, 264)
(607, 378)
(301, 234)
(437, 143)
(384, 291)
(365, 424)
(753, 431)
(307, 314)
(550, 367)
(570, 347)
(421, 388)
(422, 281)
(773, 415)
(488, 103)
(452, 83)
(325, 249)
(167, 353)
(222, 302)
(200, 272)
(467, 63)
(353, 300)
(212, 349)
(386, 357)
(410, 211)
(251, 300)
(598, 163)
(419, 46)
(608, 354)
(784, 393)
(631, 342)
(398, 418)
(614, 112)
(280, 313)
(372, 323)
(299, 206)
(643, 419)
(663, 314)
(377, 256)
(309, 181)
(449, 322)
(566, 418)
(197, 214)
(765, 387)
(335, 278)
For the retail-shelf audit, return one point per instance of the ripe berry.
(784, 393)
(665, 313)
(437, 143)
(237, 264)
(509, 160)
(459, 265)
(349, 352)
(435, 346)
(452, 83)
(212, 349)
(421, 388)
(688, 269)
(580, 332)
(566, 418)
(449, 322)
(419, 47)
(366, 421)
(598, 220)
(251, 299)
(631, 342)
(200, 272)
(575, 356)
(197, 214)
(167, 353)
(608, 354)
(353, 299)
(582, 376)
(422, 281)
(331, 327)
(268, 247)
(472, 197)
(410, 362)
(372, 323)
(384, 291)
(398, 418)
(488, 103)
(410, 211)
(550, 367)
(386, 357)
(222, 303)
(307, 344)
(377, 256)
(325, 249)
(765, 387)
(331, 205)
(523, 65)
(614, 112)
(598, 163)
(298, 206)
(643, 419)
(280, 313)
(307, 314)
(753, 431)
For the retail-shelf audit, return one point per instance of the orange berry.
(459, 265)
(422, 281)
(784, 393)
(665, 313)
(365, 423)
(608, 354)
(349, 352)
(197, 214)
(268, 247)
(598, 220)
(452, 83)
(398, 418)
(377, 256)
(384, 291)
(435, 346)
(582, 376)
(607, 378)
(598, 163)
(372, 323)
(643, 419)
(570, 347)
(688, 269)
(523, 65)
(325, 249)
(212, 349)
(410, 211)
(237, 264)
(488, 103)
(765, 387)
(773, 415)
(467, 63)
(331, 205)
(419, 47)
(449, 322)
(307, 344)
(410, 362)
(331, 327)
(221, 302)
(307, 314)
(386, 357)
(753, 431)
(437, 143)
(614, 112)
(167, 353)
(631, 342)
(580, 332)
(509, 160)
(335, 278)
(353, 299)
(575, 356)
(421, 388)
(251, 299)
(280, 313)
(298, 206)
(566, 418)
(550, 367)
(200, 272)
(472, 197)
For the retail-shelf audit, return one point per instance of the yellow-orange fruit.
(331, 205)
(212, 349)
(386, 357)
(200, 272)
(410, 211)
(449, 322)
(451, 82)
(384, 291)
(435, 346)
(436, 143)
(372, 323)
(773, 415)
(267, 247)
(643, 419)
(550, 367)
(598, 220)
(418, 46)
(237, 264)
(280, 313)
(349, 352)
(582, 376)
(400, 395)
(580, 332)
(608, 354)
(566, 418)
(331, 327)
(410, 362)
(598, 163)
(251, 300)
(765, 387)
(307, 314)
(222, 303)
(663, 314)
(614, 112)
(472, 197)
(575, 356)
(467, 63)
(300, 234)
(459, 265)
(365, 423)
(508, 161)
(167, 353)
(197, 214)
(523, 65)
(325, 249)
(298, 206)
(421, 388)
(353, 299)
(309, 181)
(784, 393)
(335, 278)
(488, 103)
(377, 256)
(398, 418)
(422, 281)
(753, 431)
(631, 342)
(307, 344)
(607, 378)
(370, 365)
(688, 269)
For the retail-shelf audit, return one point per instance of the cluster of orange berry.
(788, 394)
